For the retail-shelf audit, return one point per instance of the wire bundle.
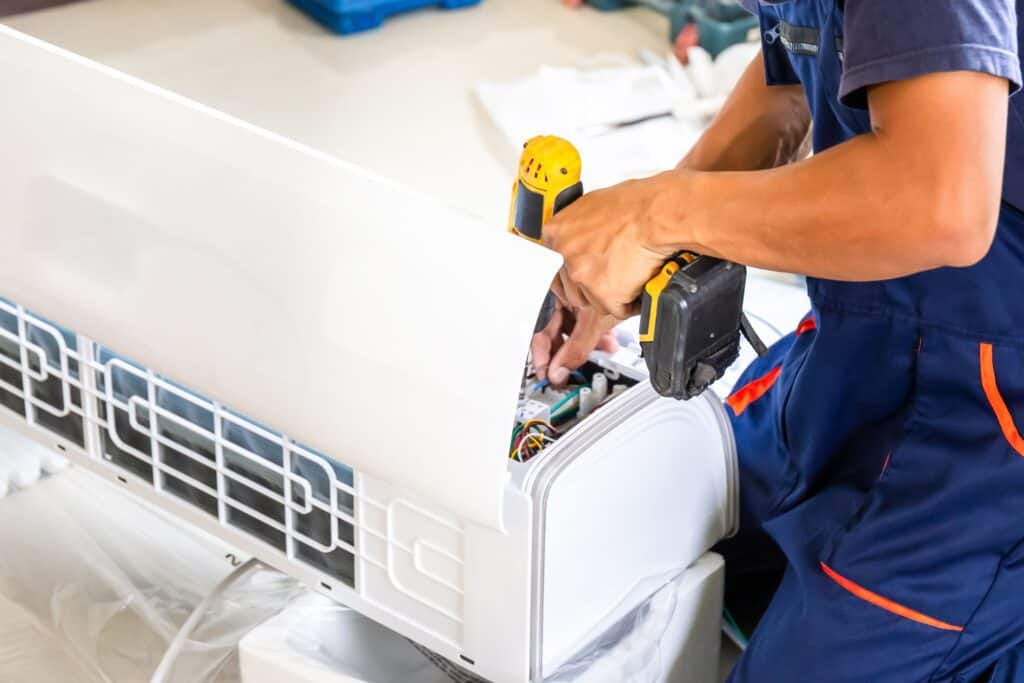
(533, 436)
(567, 407)
(530, 438)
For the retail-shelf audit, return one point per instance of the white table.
(397, 100)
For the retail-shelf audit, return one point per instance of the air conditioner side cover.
(644, 499)
(325, 302)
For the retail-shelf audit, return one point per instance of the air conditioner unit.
(323, 368)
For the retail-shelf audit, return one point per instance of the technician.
(880, 444)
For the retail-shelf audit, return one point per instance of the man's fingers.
(546, 342)
(558, 290)
(574, 352)
(542, 349)
(608, 343)
(540, 352)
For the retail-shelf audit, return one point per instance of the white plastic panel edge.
(656, 489)
(340, 308)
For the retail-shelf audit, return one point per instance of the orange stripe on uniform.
(754, 390)
(807, 325)
(995, 399)
(886, 604)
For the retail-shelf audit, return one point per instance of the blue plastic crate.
(355, 16)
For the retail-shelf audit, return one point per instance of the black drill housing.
(699, 322)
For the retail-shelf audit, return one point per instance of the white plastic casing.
(211, 255)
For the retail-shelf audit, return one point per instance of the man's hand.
(555, 355)
(759, 127)
(607, 255)
(602, 236)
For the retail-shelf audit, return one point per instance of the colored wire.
(531, 435)
(541, 423)
(532, 439)
(558, 406)
(515, 433)
(543, 383)
(531, 442)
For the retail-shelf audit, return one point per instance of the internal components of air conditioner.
(626, 361)
(532, 410)
(545, 413)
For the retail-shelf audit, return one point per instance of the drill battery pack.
(696, 305)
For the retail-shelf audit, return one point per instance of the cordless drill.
(691, 315)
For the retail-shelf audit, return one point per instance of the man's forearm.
(759, 127)
(880, 206)
(922, 190)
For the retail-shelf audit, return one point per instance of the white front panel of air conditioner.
(290, 285)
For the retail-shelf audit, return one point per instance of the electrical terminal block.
(545, 412)
(532, 409)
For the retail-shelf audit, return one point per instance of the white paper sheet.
(565, 100)
(339, 308)
(602, 109)
(584, 106)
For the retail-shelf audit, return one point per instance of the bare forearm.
(759, 127)
(840, 215)
(876, 207)
(922, 190)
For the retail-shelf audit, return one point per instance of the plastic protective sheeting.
(106, 584)
(338, 308)
(630, 650)
(27, 653)
(316, 640)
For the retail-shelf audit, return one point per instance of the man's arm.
(759, 127)
(921, 191)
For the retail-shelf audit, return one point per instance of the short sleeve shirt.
(837, 49)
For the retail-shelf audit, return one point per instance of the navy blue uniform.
(883, 469)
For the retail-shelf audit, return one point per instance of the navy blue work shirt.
(838, 48)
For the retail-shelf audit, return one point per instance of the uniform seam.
(793, 471)
(825, 303)
(909, 424)
(912, 421)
